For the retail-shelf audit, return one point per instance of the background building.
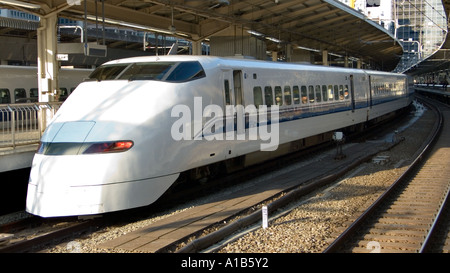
(420, 25)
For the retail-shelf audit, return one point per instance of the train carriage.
(19, 83)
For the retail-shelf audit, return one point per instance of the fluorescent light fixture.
(335, 55)
(20, 4)
(255, 33)
(275, 40)
(307, 48)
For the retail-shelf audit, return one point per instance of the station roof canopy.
(315, 24)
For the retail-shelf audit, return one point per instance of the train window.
(324, 93)
(318, 94)
(296, 94)
(336, 92)
(278, 96)
(257, 96)
(227, 92)
(63, 91)
(304, 95)
(346, 92)
(186, 71)
(107, 72)
(330, 92)
(268, 95)
(341, 92)
(287, 95)
(311, 93)
(167, 71)
(63, 94)
(34, 92)
(146, 71)
(20, 95)
(5, 97)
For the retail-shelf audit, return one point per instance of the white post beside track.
(265, 222)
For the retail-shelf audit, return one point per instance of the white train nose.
(67, 191)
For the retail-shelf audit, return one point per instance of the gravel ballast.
(322, 216)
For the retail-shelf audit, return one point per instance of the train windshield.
(159, 71)
(107, 72)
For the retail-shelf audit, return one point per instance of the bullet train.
(138, 125)
(18, 84)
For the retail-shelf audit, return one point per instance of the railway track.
(27, 233)
(404, 218)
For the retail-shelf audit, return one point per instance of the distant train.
(140, 124)
(18, 84)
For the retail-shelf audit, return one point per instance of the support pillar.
(289, 53)
(197, 48)
(325, 57)
(274, 56)
(47, 66)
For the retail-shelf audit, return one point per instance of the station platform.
(437, 92)
(17, 158)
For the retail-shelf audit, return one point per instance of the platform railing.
(24, 123)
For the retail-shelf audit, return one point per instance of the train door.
(234, 111)
(232, 87)
(233, 96)
(239, 104)
(238, 92)
(352, 92)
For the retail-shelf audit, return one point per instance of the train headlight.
(76, 148)
(108, 147)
